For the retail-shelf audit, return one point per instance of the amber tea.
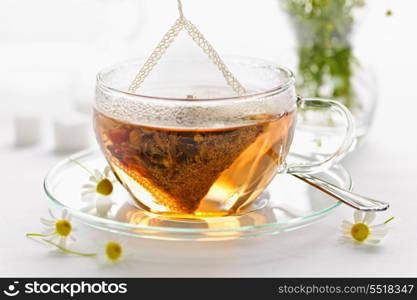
(195, 172)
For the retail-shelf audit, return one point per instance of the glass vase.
(327, 66)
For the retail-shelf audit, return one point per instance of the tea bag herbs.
(179, 167)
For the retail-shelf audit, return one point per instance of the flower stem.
(68, 250)
(38, 234)
(81, 165)
(58, 246)
(389, 220)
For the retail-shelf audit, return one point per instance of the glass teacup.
(188, 147)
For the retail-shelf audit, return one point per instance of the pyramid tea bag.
(177, 167)
(186, 170)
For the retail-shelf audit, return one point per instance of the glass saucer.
(287, 204)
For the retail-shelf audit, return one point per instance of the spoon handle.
(354, 200)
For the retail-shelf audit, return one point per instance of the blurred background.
(50, 51)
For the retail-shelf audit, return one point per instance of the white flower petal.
(47, 222)
(51, 214)
(369, 217)
(93, 179)
(102, 259)
(345, 232)
(346, 225)
(380, 235)
(357, 216)
(373, 240)
(48, 231)
(62, 241)
(379, 229)
(347, 222)
(99, 176)
(106, 171)
(53, 238)
(88, 200)
(373, 227)
(86, 193)
(379, 232)
(64, 214)
(88, 208)
(345, 229)
(88, 186)
(103, 205)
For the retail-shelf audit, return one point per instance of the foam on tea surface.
(153, 108)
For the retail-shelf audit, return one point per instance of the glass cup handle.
(344, 147)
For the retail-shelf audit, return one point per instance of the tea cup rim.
(101, 82)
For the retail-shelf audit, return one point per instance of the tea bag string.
(179, 4)
(169, 37)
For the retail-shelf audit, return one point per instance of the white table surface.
(385, 168)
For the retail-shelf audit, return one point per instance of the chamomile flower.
(100, 184)
(60, 229)
(361, 231)
(112, 251)
(98, 192)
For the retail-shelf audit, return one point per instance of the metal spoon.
(354, 200)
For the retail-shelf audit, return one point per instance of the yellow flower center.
(360, 232)
(113, 251)
(63, 227)
(104, 187)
